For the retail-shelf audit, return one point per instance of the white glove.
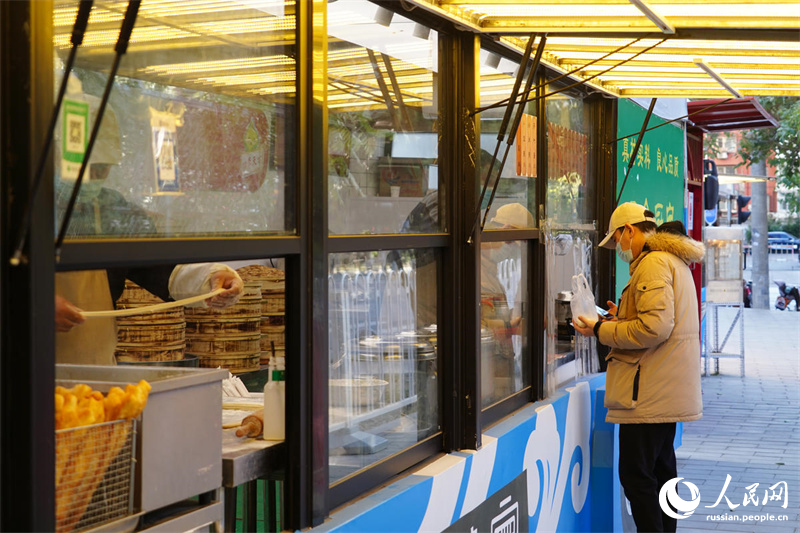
(190, 280)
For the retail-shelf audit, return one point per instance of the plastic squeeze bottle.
(275, 403)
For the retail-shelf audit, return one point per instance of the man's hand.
(588, 329)
(67, 315)
(227, 280)
(612, 309)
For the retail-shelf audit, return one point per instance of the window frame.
(535, 391)
(446, 244)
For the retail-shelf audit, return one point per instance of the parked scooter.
(747, 294)
(787, 296)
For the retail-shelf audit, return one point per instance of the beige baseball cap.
(515, 215)
(627, 213)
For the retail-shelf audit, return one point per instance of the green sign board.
(656, 179)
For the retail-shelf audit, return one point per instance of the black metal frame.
(369, 243)
(27, 372)
(346, 489)
(536, 262)
(84, 254)
(604, 113)
(306, 482)
(462, 67)
(539, 259)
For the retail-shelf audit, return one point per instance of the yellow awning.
(660, 47)
(626, 48)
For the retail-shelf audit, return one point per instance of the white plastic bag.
(582, 303)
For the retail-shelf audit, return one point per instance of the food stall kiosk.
(347, 142)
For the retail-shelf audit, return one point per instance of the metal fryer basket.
(94, 474)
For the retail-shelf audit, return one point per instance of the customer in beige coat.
(653, 376)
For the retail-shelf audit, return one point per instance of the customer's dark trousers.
(646, 462)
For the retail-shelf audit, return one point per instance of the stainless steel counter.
(246, 459)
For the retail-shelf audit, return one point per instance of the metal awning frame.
(752, 45)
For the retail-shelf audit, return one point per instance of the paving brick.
(749, 425)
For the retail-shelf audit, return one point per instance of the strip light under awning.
(711, 72)
(654, 17)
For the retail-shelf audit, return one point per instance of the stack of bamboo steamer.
(228, 338)
(273, 308)
(158, 336)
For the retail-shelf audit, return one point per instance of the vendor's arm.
(190, 280)
(67, 315)
(154, 279)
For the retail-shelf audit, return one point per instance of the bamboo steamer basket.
(273, 308)
(133, 293)
(201, 328)
(149, 337)
(276, 336)
(131, 354)
(234, 364)
(270, 340)
(243, 309)
(168, 316)
(271, 348)
(230, 337)
(272, 320)
(273, 336)
(223, 345)
(273, 303)
(270, 279)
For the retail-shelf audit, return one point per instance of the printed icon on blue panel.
(508, 520)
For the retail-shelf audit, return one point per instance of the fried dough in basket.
(84, 455)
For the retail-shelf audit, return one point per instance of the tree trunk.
(759, 207)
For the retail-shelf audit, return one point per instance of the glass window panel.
(569, 355)
(518, 177)
(505, 308)
(570, 236)
(569, 187)
(383, 136)
(383, 360)
(197, 134)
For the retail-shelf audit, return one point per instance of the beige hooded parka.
(653, 371)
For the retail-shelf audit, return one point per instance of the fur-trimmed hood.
(686, 248)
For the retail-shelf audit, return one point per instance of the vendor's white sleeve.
(190, 280)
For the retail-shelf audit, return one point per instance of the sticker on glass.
(165, 154)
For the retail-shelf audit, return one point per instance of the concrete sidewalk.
(749, 431)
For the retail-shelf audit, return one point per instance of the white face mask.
(625, 255)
